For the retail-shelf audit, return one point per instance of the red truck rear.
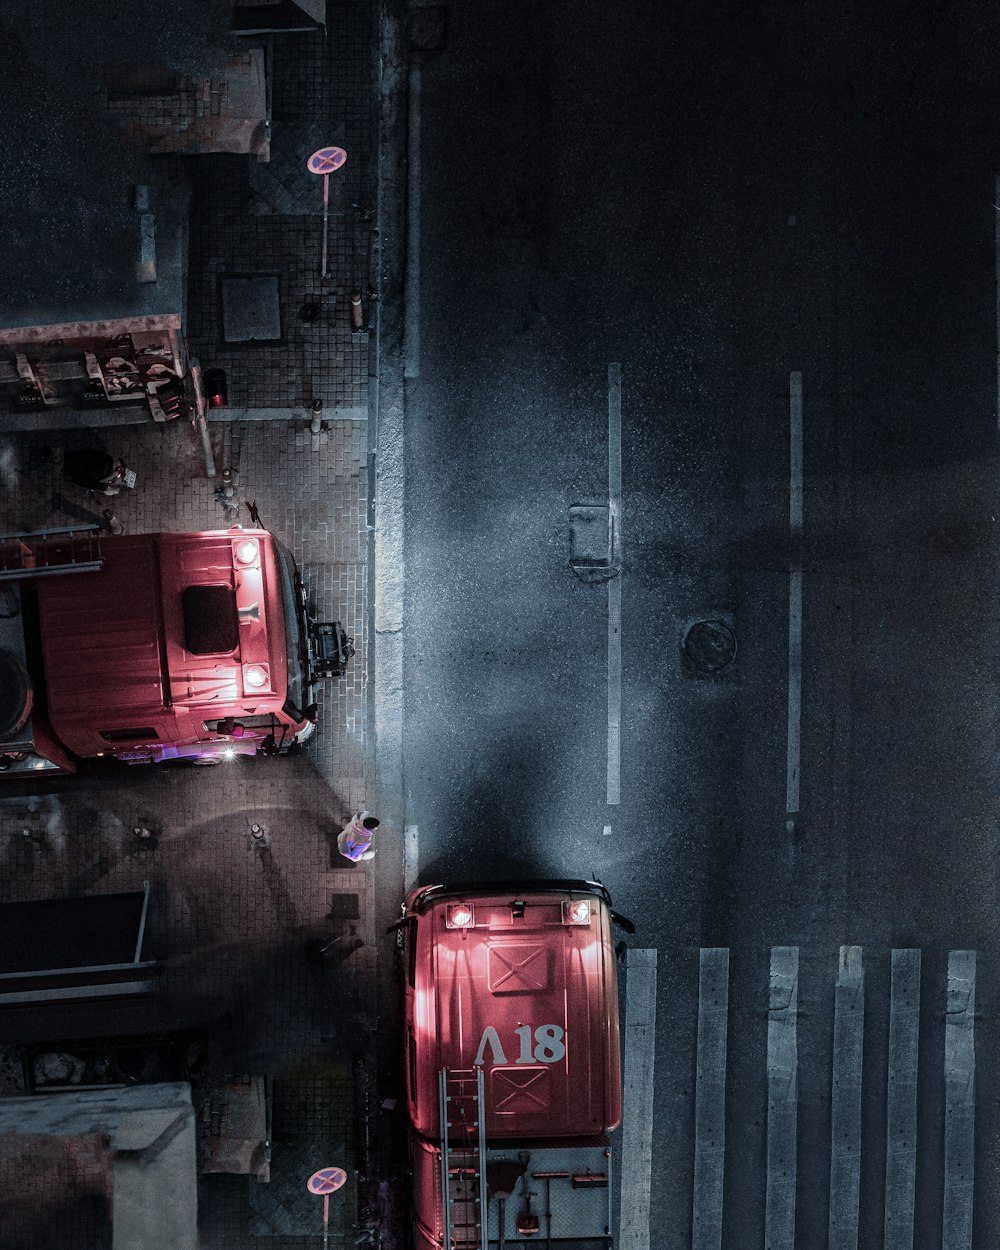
(513, 1064)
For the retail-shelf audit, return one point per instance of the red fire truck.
(513, 1063)
(155, 647)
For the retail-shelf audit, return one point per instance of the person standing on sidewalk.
(355, 839)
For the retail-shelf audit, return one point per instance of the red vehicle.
(155, 647)
(513, 1063)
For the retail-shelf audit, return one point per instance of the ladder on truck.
(464, 1205)
(43, 553)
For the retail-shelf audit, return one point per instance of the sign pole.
(326, 1182)
(326, 225)
(326, 161)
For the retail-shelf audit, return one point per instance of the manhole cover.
(710, 646)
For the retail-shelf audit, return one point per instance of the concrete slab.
(150, 1134)
(251, 311)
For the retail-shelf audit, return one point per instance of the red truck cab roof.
(520, 979)
(172, 631)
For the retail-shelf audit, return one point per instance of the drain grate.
(344, 906)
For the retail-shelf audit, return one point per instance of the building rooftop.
(70, 215)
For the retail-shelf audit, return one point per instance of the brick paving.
(238, 924)
(321, 92)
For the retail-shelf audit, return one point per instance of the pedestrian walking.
(355, 839)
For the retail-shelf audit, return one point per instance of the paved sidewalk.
(237, 922)
(266, 219)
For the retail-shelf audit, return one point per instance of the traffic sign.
(326, 161)
(326, 1180)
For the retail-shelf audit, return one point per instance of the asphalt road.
(722, 201)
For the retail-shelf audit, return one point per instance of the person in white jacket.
(355, 839)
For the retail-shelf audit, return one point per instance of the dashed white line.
(615, 584)
(710, 1099)
(996, 205)
(637, 1099)
(411, 292)
(794, 595)
(411, 837)
(782, 1099)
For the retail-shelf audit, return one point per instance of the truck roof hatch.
(211, 623)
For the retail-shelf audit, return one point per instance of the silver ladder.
(43, 553)
(464, 1206)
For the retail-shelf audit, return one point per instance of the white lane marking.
(959, 1101)
(710, 1099)
(845, 1120)
(411, 294)
(782, 1098)
(996, 205)
(615, 584)
(637, 1099)
(794, 594)
(607, 831)
(901, 1100)
(614, 795)
(411, 841)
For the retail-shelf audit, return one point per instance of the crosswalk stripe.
(710, 1099)
(637, 1098)
(960, 1109)
(782, 1099)
(901, 1100)
(845, 1120)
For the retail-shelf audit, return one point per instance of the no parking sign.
(326, 161)
(326, 1181)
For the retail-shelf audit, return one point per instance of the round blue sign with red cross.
(326, 1180)
(326, 160)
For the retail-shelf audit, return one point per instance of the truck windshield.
(296, 643)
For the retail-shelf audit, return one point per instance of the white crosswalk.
(960, 1105)
(782, 1098)
(885, 1057)
(710, 1100)
(637, 1100)
(901, 1101)
(845, 1130)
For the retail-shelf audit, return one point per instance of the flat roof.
(145, 1137)
(68, 215)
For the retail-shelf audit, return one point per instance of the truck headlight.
(576, 911)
